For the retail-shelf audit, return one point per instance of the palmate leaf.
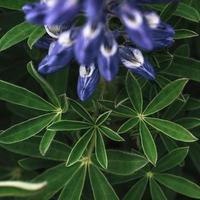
(166, 96)
(56, 178)
(44, 84)
(21, 96)
(171, 129)
(26, 129)
(134, 92)
(58, 151)
(156, 191)
(15, 35)
(79, 148)
(102, 118)
(179, 184)
(172, 159)
(19, 188)
(123, 163)
(74, 186)
(148, 144)
(137, 191)
(100, 186)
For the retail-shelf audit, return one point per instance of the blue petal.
(136, 26)
(88, 43)
(87, 81)
(108, 58)
(35, 12)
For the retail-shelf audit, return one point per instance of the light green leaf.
(184, 33)
(179, 184)
(19, 188)
(26, 129)
(156, 191)
(128, 125)
(166, 96)
(171, 129)
(100, 150)
(134, 92)
(69, 125)
(15, 35)
(137, 191)
(44, 84)
(36, 35)
(74, 186)
(100, 186)
(110, 133)
(148, 144)
(79, 148)
(21, 96)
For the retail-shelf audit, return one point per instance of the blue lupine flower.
(96, 44)
(60, 53)
(134, 60)
(87, 81)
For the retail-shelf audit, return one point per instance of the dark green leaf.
(137, 191)
(21, 96)
(166, 96)
(16, 5)
(148, 144)
(74, 186)
(100, 151)
(124, 163)
(179, 184)
(110, 133)
(69, 125)
(102, 118)
(36, 35)
(44, 84)
(184, 33)
(81, 111)
(100, 186)
(171, 129)
(128, 125)
(16, 35)
(79, 148)
(134, 92)
(156, 191)
(57, 151)
(26, 129)
(172, 159)
(189, 122)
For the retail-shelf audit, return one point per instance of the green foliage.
(135, 139)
